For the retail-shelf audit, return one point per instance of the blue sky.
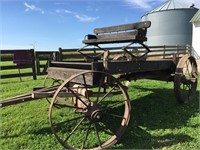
(50, 24)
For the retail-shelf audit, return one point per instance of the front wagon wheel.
(94, 111)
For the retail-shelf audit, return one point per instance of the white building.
(196, 35)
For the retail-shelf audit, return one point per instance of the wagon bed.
(63, 70)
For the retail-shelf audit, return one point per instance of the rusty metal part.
(92, 56)
(185, 79)
(147, 50)
(54, 82)
(101, 114)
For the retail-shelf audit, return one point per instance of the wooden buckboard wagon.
(90, 100)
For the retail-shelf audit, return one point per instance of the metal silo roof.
(196, 17)
(171, 5)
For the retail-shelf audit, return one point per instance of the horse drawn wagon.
(86, 96)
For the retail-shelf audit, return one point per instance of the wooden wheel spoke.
(75, 128)
(111, 106)
(104, 129)
(84, 80)
(76, 95)
(99, 88)
(97, 133)
(66, 121)
(86, 136)
(116, 116)
(107, 94)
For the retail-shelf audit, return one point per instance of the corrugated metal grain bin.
(170, 24)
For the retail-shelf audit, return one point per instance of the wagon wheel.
(93, 116)
(185, 80)
(51, 82)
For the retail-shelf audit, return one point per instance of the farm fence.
(22, 59)
(159, 52)
(42, 58)
(39, 59)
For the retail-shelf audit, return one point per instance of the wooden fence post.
(37, 63)
(164, 52)
(178, 50)
(33, 65)
(60, 54)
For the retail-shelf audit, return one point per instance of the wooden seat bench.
(134, 32)
(126, 33)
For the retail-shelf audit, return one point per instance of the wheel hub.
(96, 115)
(94, 112)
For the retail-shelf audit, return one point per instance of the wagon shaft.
(28, 97)
(16, 100)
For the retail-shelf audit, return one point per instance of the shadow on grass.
(156, 111)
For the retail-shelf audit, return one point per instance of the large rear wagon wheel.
(185, 80)
(91, 116)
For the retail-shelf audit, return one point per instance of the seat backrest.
(124, 27)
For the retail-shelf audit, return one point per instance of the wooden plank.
(6, 51)
(15, 67)
(110, 41)
(117, 36)
(131, 26)
(15, 75)
(24, 98)
(74, 65)
(38, 95)
(50, 94)
(44, 57)
(160, 48)
(66, 73)
(44, 52)
(117, 67)
(6, 58)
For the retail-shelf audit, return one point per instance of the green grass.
(157, 120)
